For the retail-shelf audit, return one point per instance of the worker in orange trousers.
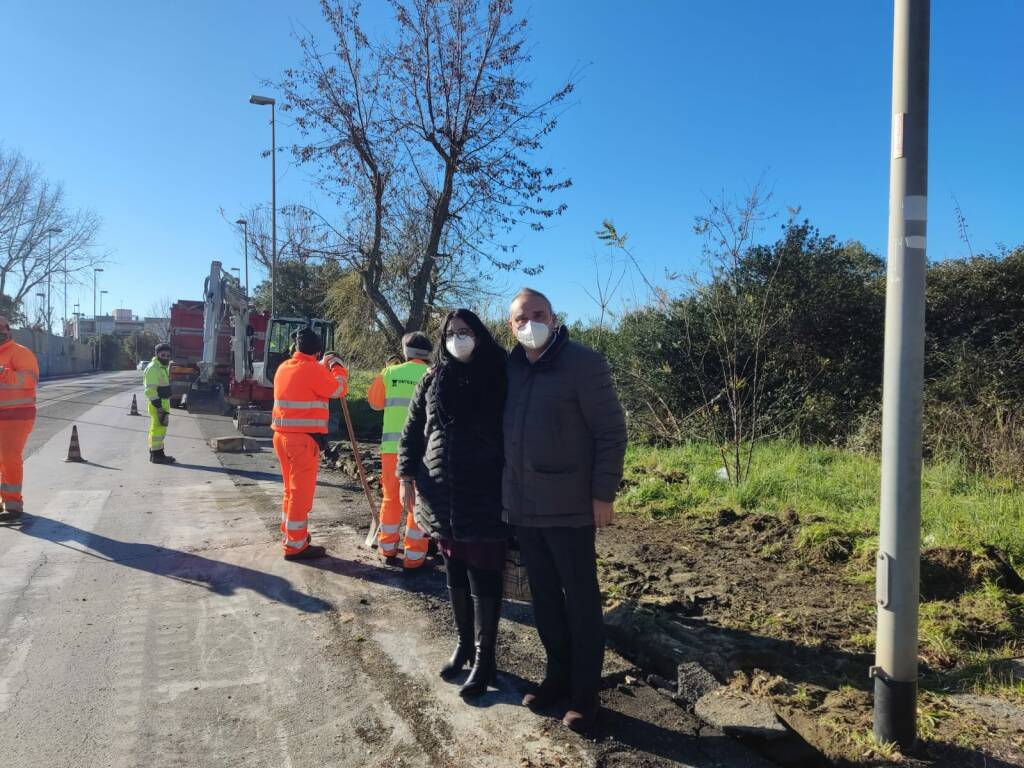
(302, 388)
(19, 374)
(392, 392)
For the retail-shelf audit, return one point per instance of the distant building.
(121, 323)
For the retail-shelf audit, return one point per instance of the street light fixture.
(245, 239)
(264, 101)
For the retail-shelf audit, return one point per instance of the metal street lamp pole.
(46, 339)
(897, 585)
(245, 240)
(267, 101)
(49, 271)
(95, 271)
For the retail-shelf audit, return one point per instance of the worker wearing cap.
(157, 381)
(391, 392)
(302, 388)
(19, 373)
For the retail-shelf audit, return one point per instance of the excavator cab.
(281, 335)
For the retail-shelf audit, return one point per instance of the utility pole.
(245, 240)
(266, 101)
(897, 584)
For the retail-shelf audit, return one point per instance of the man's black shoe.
(546, 694)
(159, 457)
(10, 517)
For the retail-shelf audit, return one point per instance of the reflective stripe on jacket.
(19, 374)
(302, 387)
(399, 384)
(157, 380)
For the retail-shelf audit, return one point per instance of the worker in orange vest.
(391, 392)
(302, 388)
(19, 374)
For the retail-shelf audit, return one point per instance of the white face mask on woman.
(533, 335)
(461, 348)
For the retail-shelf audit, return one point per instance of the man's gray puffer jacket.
(565, 436)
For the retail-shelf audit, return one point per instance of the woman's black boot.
(462, 607)
(487, 612)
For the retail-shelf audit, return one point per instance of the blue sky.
(141, 109)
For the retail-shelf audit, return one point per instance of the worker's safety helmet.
(162, 347)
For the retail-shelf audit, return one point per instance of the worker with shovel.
(302, 388)
(391, 392)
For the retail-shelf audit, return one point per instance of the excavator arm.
(222, 297)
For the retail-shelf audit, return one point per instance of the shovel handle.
(357, 457)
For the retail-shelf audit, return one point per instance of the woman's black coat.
(456, 453)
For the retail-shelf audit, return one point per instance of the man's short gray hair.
(530, 293)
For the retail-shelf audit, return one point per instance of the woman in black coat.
(450, 455)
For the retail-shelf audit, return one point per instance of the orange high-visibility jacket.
(302, 387)
(19, 373)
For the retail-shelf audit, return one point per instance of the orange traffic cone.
(135, 407)
(74, 450)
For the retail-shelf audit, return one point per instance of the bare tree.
(434, 124)
(160, 313)
(726, 336)
(42, 239)
(961, 225)
(299, 235)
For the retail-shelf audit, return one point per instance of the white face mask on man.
(460, 347)
(533, 335)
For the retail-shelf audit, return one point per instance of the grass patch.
(366, 422)
(834, 492)
(971, 619)
(981, 625)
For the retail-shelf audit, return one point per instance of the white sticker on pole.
(915, 208)
(915, 241)
(897, 134)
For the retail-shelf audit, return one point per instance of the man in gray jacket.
(565, 440)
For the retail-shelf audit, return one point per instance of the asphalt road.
(60, 401)
(148, 619)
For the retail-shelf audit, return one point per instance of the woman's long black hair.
(487, 351)
(476, 386)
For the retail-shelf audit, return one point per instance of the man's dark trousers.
(562, 568)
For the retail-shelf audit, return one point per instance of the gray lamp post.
(49, 271)
(245, 240)
(46, 339)
(264, 101)
(95, 271)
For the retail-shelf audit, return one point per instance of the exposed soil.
(734, 592)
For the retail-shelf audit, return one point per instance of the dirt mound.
(338, 457)
(949, 572)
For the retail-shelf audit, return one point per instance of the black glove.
(157, 404)
(320, 439)
(164, 417)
